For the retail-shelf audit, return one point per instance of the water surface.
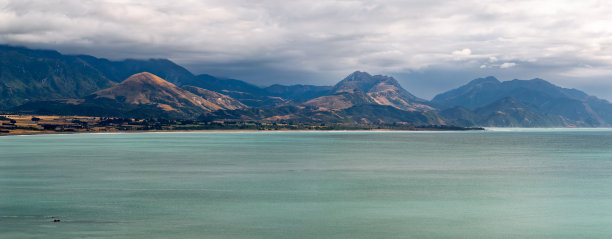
(493, 184)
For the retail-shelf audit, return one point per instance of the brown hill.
(142, 95)
(362, 88)
(148, 89)
(341, 100)
(221, 100)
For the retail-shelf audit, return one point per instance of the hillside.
(221, 100)
(297, 93)
(361, 88)
(141, 95)
(248, 94)
(361, 114)
(542, 104)
(30, 75)
(118, 71)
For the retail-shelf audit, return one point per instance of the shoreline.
(232, 131)
(485, 129)
(57, 124)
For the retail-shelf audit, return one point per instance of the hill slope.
(221, 100)
(548, 104)
(146, 88)
(29, 75)
(142, 95)
(360, 114)
(118, 71)
(361, 88)
(297, 93)
(249, 94)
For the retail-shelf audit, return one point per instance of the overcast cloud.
(430, 46)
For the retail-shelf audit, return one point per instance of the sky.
(428, 46)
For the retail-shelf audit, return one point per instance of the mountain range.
(524, 103)
(48, 82)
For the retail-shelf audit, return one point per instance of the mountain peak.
(357, 76)
(139, 88)
(547, 87)
(146, 78)
(363, 81)
(147, 88)
(541, 82)
(527, 102)
(363, 88)
(32, 52)
(488, 79)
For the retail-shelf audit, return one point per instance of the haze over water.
(493, 184)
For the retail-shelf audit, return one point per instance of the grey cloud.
(318, 42)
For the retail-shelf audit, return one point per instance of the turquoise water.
(494, 184)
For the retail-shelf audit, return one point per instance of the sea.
(498, 183)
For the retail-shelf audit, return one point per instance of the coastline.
(486, 129)
(231, 131)
(56, 124)
(25, 125)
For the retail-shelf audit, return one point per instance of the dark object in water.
(56, 220)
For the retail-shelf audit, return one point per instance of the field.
(35, 124)
(39, 124)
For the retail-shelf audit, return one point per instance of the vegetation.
(24, 124)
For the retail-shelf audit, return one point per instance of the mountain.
(254, 96)
(359, 98)
(510, 112)
(142, 95)
(362, 88)
(341, 100)
(221, 100)
(460, 116)
(30, 75)
(287, 113)
(33, 75)
(541, 104)
(297, 93)
(483, 91)
(145, 95)
(118, 71)
(506, 112)
(249, 94)
(476, 93)
(47, 82)
(146, 88)
(360, 114)
(385, 114)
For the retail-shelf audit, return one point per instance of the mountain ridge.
(360, 88)
(47, 81)
(141, 91)
(574, 108)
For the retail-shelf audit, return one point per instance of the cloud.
(462, 54)
(260, 41)
(507, 65)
